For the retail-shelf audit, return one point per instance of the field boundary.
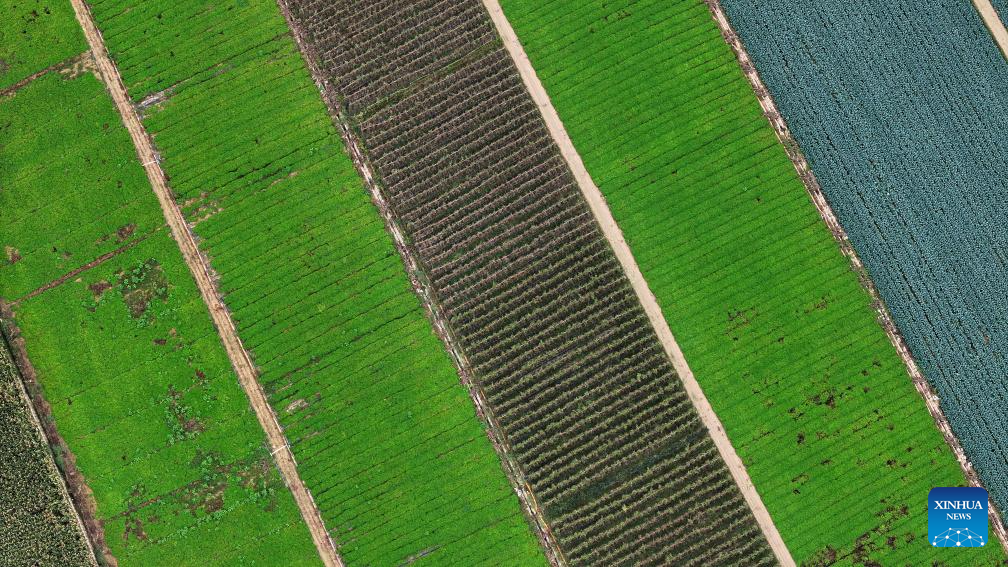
(16, 356)
(884, 317)
(418, 280)
(603, 216)
(201, 271)
(994, 25)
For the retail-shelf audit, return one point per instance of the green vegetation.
(38, 524)
(35, 34)
(769, 314)
(385, 437)
(139, 386)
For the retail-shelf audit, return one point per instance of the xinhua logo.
(957, 517)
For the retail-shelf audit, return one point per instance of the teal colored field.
(768, 312)
(386, 438)
(137, 380)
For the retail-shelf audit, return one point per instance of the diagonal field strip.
(994, 24)
(808, 178)
(614, 235)
(531, 507)
(200, 270)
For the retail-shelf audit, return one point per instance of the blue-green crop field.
(917, 172)
(766, 309)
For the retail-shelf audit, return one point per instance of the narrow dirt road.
(236, 352)
(615, 237)
(994, 24)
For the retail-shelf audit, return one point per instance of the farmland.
(917, 175)
(35, 35)
(584, 395)
(368, 223)
(385, 437)
(38, 522)
(121, 347)
(772, 321)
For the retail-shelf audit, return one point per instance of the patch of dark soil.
(99, 288)
(125, 232)
(13, 254)
(141, 286)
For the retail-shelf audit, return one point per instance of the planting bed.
(385, 436)
(120, 345)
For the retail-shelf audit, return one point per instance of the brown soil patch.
(141, 286)
(99, 288)
(13, 254)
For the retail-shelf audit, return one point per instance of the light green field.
(124, 349)
(769, 314)
(385, 437)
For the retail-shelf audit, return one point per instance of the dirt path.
(994, 24)
(829, 217)
(199, 267)
(615, 237)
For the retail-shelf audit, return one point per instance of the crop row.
(769, 315)
(586, 397)
(385, 437)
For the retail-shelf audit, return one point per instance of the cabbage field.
(1001, 6)
(912, 157)
(766, 309)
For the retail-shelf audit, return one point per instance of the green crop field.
(386, 438)
(35, 34)
(769, 314)
(138, 383)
